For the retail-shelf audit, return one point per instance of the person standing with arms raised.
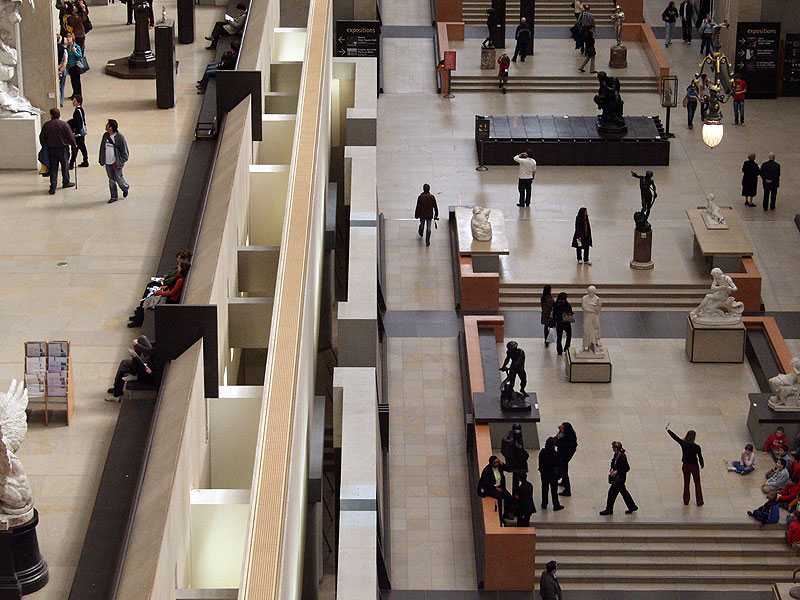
(692, 462)
(527, 171)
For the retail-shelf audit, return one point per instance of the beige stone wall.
(39, 72)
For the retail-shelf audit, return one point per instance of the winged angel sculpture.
(16, 499)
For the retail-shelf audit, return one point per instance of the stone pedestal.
(488, 58)
(165, 64)
(708, 344)
(642, 249)
(141, 64)
(619, 57)
(584, 367)
(24, 130)
(762, 420)
(22, 568)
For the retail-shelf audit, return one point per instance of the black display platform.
(762, 420)
(568, 140)
(22, 568)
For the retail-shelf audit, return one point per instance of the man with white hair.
(771, 177)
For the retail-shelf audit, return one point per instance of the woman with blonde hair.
(616, 477)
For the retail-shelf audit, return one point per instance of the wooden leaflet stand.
(38, 369)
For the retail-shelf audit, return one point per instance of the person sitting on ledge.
(747, 463)
(777, 478)
(232, 27)
(775, 441)
(169, 294)
(227, 62)
(793, 533)
(768, 513)
(493, 484)
(787, 497)
(137, 367)
(167, 280)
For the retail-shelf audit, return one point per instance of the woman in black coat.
(548, 470)
(582, 238)
(567, 444)
(562, 313)
(546, 303)
(617, 476)
(750, 171)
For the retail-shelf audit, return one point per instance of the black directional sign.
(757, 55)
(357, 38)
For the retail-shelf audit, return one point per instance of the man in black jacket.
(549, 588)
(771, 176)
(525, 506)
(685, 11)
(523, 37)
(78, 125)
(493, 484)
(140, 366)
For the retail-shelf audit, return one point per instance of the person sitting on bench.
(493, 483)
(137, 367)
(227, 62)
(169, 294)
(168, 280)
(231, 26)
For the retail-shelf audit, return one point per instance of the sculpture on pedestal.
(513, 450)
(647, 190)
(618, 56)
(591, 306)
(719, 307)
(481, 227)
(617, 18)
(164, 13)
(514, 365)
(786, 389)
(12, 102)
(16, 498)
(610, 103)
(713, 211)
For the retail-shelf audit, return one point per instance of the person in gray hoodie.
(777, 478)
(113, 156)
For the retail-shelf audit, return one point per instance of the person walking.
(750, 173)
(739, 92)
(691, 100)
(57, 137)
(685, 10)
(527, 171)
(426, 211)
(74, 53)
(585, 22)
(589, 50)
(706, 32)
(577, 8)
(78, 125)
(549, 588)
(525, 506)
(61, 53)
(771, 178)
(113, 156)
(502, 73)
(617, 477)
(567, 444)
(564, 318)
(548, 468)
(546, 302)
(523, 37)
(692, 462)
(582, 238)
(669, 16)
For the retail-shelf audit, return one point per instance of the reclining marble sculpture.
(719, 308)
(16, 498)
(786, 389)
(481, 227)
(713, 211)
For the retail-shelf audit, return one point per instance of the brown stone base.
(642, 249)
(119, 67)
(619, 57)
(488, 58)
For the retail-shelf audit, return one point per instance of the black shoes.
(565, 493)
(125, 193)
(112, 200)
(84, 164)
(631, 510)
(606, 512)
(559, 507)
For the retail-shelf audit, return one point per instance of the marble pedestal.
(23, 152)
(762, 420)
(708, 344)
(642, 250)
(588, 368)
(488, 58)
(618, 58)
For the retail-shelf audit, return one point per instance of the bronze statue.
(610, 103)
(647, 189)
(514, 365)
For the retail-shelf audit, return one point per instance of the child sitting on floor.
(747, 463)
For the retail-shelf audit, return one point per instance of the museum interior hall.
(400, 299)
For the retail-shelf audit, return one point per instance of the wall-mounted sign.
(357, 38)
(790, 86)
(450, 60)
(757, 55)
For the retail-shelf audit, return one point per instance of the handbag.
(82, 65)
(551, 335)
(612, 479)
(685, 101)
(87, 25)
(568, 317)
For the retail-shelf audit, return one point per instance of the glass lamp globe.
(712, 134)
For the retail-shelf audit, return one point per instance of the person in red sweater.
(775, 441)
(169, 294)
(789, 493)
(502, 73)
(739, 91)
(793, 535)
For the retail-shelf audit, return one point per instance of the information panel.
(757, 55)
(790, 85)
(357, 38)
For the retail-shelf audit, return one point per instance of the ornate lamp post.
(720, 89)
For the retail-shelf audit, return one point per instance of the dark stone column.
(142, 56)
(499, 31)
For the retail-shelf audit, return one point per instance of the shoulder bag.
(568, 317)
(82, 65)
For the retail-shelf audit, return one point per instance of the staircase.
(533, 83)
(548, 13)
(668, 556)
(625, 296)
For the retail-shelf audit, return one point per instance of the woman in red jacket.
(169, 294)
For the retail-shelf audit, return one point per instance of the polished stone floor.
(425, 138)
(108, 252)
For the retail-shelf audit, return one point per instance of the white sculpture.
(16, 499)
(719, 307)
(786, 389)
(481, 227)
(164, 13)
(12, 102)
(713, 211)
(591, 305)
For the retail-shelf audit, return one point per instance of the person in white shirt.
(527, 171)
(113, 156)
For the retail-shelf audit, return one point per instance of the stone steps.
(627, 296)
(532, 83)
(547, 13)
